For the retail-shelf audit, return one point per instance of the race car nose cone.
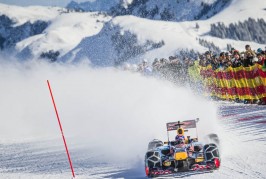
(217, 162)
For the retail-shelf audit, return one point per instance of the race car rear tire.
(211, 153)
(154, 144)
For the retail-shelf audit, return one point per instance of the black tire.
(153, 159)
(154, 144)
(211, 152)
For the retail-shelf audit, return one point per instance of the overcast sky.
(62, 3)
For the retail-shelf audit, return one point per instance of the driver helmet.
(180, 131)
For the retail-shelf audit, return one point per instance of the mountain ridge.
(68, 32)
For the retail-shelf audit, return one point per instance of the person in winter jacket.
(261, 58)
(249, 50)
(248, 59)
(236, 61)
(224, 62)
(228, 56)
(208, 59)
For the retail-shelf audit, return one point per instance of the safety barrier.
(235, 83)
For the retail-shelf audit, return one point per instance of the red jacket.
(261, 62)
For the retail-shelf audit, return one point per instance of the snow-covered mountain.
(134, 35)
(64, 34)
(106, 40)
(19, 23)
(173, 10)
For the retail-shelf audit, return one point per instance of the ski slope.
(109, 116)
(242, 151)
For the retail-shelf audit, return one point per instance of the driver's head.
(180, 131)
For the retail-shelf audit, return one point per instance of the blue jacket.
(179, 137)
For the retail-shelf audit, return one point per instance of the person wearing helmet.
(180, 138)
(180, 135)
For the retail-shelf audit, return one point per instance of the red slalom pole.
(69, 159)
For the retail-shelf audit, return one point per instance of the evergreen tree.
(249, 30)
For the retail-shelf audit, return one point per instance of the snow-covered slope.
(20, 15)
(18, 23)
(174, 10)
(240, 10)
(104, 52)
(65, 33)
(10, 35)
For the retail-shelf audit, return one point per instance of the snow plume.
(115, 111)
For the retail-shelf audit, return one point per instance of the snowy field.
(109, 116)
(242, 153)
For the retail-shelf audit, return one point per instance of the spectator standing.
(236, 61)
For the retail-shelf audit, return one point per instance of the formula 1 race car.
(164, 158)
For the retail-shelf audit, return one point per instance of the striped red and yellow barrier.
(232, 83)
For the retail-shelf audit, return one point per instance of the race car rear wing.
(185, 124)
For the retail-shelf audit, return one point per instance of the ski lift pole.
(58, 119)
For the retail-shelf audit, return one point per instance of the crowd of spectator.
(233, 58)
(176, 69)
(173, 68)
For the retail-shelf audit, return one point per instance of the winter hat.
(228, 54)
(222, 54)
(236, 52)
(259, 50)
(259, 54)
(201, 57)
(207, 53)
(171, 58)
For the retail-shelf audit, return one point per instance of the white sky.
(62, 3)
